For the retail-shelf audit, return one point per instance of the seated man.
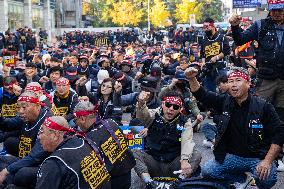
(74, 162)
(24, 148)
(107, 135)
(64, 99)
(250, 134)
(169, 145)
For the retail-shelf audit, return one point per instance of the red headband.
(239, 74)
(33, 88)
(55, 126)
(173, 99)
(29, 99)
(83, 113)
(71, 73)
(63, 81)
(9, 84)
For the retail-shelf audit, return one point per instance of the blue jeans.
(209, 81)
(233, 170)
(209, 130)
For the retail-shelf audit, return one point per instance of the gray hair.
(85, 106)
(60, 121)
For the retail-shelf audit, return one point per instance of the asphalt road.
(206, 155)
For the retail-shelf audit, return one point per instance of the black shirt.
(236, 133)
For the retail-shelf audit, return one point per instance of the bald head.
(28, 106)
(60, 120)
(86, 121)
(51, 138)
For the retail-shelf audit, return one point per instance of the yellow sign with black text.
(9, 110)
(25, 146)
(112, 150)
(93, 170)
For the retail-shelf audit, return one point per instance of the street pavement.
(206, 155)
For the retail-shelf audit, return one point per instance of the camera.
(206, 70)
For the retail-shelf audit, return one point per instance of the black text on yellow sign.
(93, 170)
(25, 146)
(112, 150)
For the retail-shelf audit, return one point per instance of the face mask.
(208, 33)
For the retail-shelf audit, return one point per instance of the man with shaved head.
(23, 147)
(110, 139)
(73, 160)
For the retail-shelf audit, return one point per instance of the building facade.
(32, 13)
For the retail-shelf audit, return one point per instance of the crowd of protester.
(62, 105)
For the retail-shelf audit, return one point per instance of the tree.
(185, 9)
(159, 15)
(125, 13)
(212, 9)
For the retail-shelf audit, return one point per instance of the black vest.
(257, 140)
(107, 135)
(62, 107)
(29, 134)
(164, 138)
(79, 157)
(270, 57)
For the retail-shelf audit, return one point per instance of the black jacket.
(270, 55)
(262, 125)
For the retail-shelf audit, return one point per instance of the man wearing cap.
(74, 162)
(104, 64)
(126, 66)
(107, 135)
(64, 99)
(169, 142)
(83, 67)
(24, 147)
(250, 134)
(214, 47)
(270, 57)
(148, 84)
(28, 76)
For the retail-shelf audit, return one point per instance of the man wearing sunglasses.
(169, 145)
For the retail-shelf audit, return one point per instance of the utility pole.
(149, 24)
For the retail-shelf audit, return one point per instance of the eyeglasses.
(175, 106)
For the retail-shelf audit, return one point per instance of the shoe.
(158, 185)
(208, 143)
(244, 185)
(280, 166)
